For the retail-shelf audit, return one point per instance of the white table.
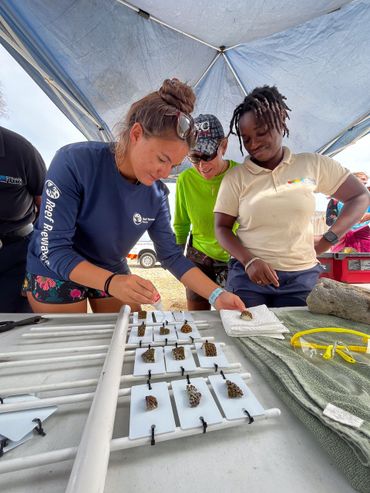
(276, 456)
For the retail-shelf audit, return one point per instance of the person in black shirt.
(22, 175)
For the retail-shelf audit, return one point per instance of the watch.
(331, 237)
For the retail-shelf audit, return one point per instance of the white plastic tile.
(190, 416)
(173, 365)
(181, 316)
(172, 336)
(233, 408)
(12, 444)
(142, 368)
(210, 361)
(194, 333)
(135, 339)
(16, 425)
(141, 420)
(162, 316)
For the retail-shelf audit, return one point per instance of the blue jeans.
(293, 290)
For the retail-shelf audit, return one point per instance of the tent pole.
(338, 136)
(162, 23)
(207, 69)
(234, 74)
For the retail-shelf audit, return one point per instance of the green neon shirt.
(195, 200)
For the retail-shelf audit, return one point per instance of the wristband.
(250, 263)
(214, 295)
(107, 283)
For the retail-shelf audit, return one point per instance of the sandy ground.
(171, 290)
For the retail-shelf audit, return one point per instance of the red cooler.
(352, 268)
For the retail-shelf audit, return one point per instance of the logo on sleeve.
(52, 190)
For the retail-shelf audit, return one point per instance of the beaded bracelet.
(214, 295)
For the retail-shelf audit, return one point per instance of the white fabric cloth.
(264, 323)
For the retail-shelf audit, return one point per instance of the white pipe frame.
(85, 357)
(91, 463)
(125, 443)
(77, 384)
(88, 396)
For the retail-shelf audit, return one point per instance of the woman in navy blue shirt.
(98, 200)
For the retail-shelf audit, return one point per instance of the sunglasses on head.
(185, 128)
(203, 157)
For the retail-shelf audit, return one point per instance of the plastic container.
(352, 268)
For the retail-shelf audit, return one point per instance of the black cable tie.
(149, 384)
(188, 379)
(166, 322)
(3, 443)
(206, 341)
(192, 339)
(185, 321)
(176, 344)
(182, 370)
(149, 374)
(223, 374)
(39, 428)
(216, 367)
(148, 346)
(165, 341)
(1, 400)
(152, 441)
(140, 343)
(251, 418)
(204, 423)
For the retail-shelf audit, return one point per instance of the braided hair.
(268, 107)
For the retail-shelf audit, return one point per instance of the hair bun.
(177, 94)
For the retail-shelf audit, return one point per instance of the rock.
(194, 395)
(141, 330)
(246, 315)
(341, 300)
(151, 402)
(163, 331)
(186, 328)
(233, 391)
(178, 353)
(149, 355)
(209, 349)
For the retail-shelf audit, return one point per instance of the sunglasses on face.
(204, 157)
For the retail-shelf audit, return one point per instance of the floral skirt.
(49, 290)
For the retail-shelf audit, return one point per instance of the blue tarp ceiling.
(95, 57)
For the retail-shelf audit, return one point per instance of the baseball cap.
(210, 132)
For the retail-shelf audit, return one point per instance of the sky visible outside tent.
(33, 115)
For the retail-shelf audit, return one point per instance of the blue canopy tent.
(94, 58)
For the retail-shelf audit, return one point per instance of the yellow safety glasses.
(335, 348)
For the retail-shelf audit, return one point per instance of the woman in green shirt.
(196, 193)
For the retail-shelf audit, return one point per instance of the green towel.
(308, 385)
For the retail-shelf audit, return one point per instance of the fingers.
(229, 301)
(264, 274)
(272, 277)
(132, 288)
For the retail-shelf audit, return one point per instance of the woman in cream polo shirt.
(271, 196)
